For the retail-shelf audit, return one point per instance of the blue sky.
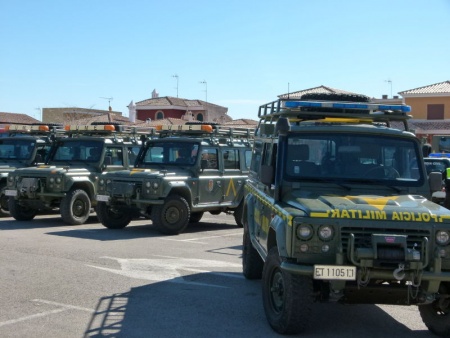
(60, 53)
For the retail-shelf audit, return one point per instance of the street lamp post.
(390, 82)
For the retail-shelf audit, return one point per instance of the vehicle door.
(210, 177)
(235, 172)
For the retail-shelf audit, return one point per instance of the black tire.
(238, 212)
(172, 217)
(20, 212)
(4, 208)
(252, 263)
(195, 217)
(287, 298)
(112, 218)
(436, 317)
(75, 207)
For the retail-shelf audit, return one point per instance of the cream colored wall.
(419, 106)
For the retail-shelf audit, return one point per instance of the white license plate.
(102, 198)
(331, 272)
(11, 192)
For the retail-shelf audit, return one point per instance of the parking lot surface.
(88, 281)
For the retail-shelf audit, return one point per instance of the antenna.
(177, 77)
(390, 82)
(109, 101)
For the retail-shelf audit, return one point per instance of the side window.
(132, 154)
(231, 159)
(256, 157)
(114, 156)
(210, 155)
(248, 159)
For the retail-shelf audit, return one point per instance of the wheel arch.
(86, 186)
(277, 236)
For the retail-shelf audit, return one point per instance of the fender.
(278, 227)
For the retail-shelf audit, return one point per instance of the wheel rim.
(172, 215)
(277, 291)
(79, 208)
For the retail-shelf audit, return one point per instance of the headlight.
(10, 178)
(147, 184)
(325, 232)
(52, 180)
(304, 231)
(101, 182)
(155, 185)
(442, 237)
(58, 180)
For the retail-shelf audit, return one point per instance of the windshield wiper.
(327, 180)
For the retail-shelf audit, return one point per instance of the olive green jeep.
(338, 209)
(185, 171)
(67, 180)
(22, 146)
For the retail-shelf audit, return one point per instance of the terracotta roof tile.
(17, 118)
(315, 90)
(437, 88)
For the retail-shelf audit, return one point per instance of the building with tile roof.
(430, 102)
(69, 114)
(315, 90)
(14, 118)
(158, 108)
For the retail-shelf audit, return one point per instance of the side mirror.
(266, 174)
(435, 181)
(108, 160)
(204, 164)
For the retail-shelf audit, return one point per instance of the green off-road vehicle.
(24, 146)
(185, 171)
(73, 166)
(338, 209)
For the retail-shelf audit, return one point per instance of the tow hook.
(399, 273)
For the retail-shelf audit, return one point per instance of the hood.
(141, 174)
(412, 208)
(44, 170)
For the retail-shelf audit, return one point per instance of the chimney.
(154, 94)
(384, 97)
(395, 96)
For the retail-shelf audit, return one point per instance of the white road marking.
(37, 315)
(193, 240)
(167, 269)
(66, 306)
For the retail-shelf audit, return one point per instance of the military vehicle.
(186, 171)
(338, 209)
(22, 146)
(67, 180)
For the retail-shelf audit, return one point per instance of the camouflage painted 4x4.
(187, 170)
(338, 209)
(24, 146)
(68, 178)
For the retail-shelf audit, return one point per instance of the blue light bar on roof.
(439, 155)
(343, 105)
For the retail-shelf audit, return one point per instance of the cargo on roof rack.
(298, 110)
(31, 129)
(211, 130)
(107, 129)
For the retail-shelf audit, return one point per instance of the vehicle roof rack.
(32, 129)
(300, 110)
(202, 129)
(107, 129)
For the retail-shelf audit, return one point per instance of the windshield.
(77, 150)
(359, 157)
(16, 149)
(171, 153)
